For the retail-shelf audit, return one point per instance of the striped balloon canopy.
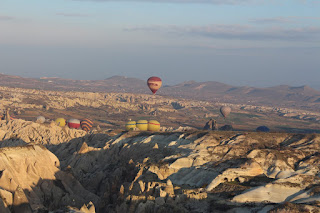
(142, 125)
(154, 83)
(86, 125)
(153, 125)
(131, 125)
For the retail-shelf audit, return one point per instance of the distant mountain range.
(302, 97)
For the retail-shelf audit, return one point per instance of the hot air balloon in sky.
(154, 83)
(225, 111)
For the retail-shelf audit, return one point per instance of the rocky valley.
(181, 168)
(159, 106)
(113, 110)
(49, 168)
(283, 96)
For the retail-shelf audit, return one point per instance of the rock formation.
(19, 132)
(211, 125)
(7, 115)
(183, 171)
(31, 178)
(112, 110)
(226, 128)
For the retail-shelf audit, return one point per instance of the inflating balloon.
(142, 125)
(74, 123)
(86, 125)
(131, 125)
(154, 83)
(153, 125)
(40, 119)
(60, 121)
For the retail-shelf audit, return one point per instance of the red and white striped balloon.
(154, 83)
(74, 123)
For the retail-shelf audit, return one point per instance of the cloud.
(73, 14)
(6, 18)
(216, 2)
(221, 2)
(282, 20)
(237, 32)
(276, 20)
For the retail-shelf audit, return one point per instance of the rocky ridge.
(194, 171)
(283, 95)
(32, 98)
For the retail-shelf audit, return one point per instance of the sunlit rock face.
(181, 171)
(20, 132)
(31, 181)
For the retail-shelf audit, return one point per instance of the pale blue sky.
(239, 42)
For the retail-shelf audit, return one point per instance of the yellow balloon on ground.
(131, 125)
(142, 125)
(61, 121)
(153, 125)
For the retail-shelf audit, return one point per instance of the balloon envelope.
(40, 119)
(74, 123)
(142, 125)
(225, 111)
(154, 83)
(86, 125)
(153, 125)
(131, 125)
(61, 121)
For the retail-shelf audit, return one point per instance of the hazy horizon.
(242, 43)
(173, 84)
